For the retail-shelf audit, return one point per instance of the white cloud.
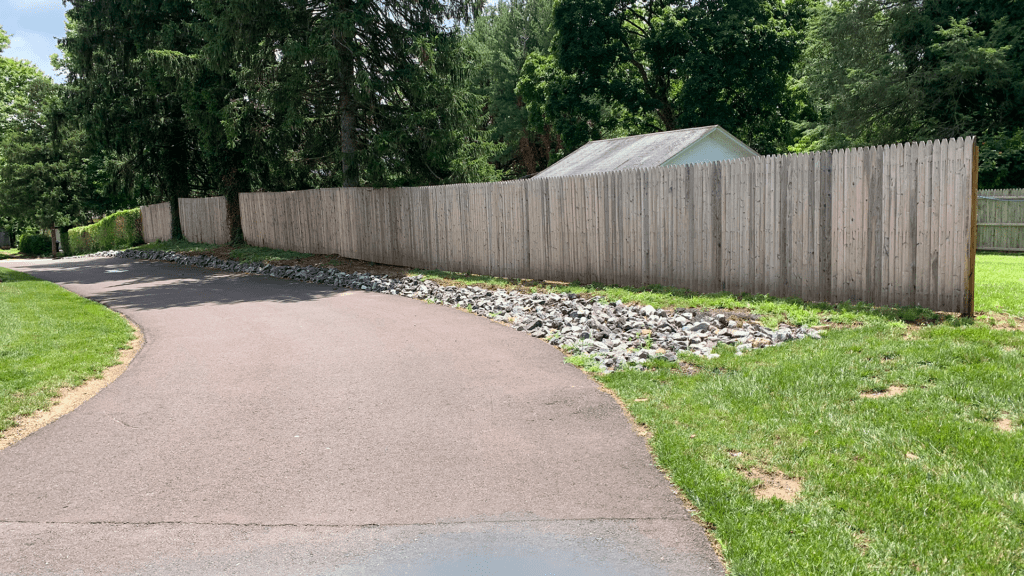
(34, 47)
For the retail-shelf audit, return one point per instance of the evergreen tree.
(128, 102)
(348, 92)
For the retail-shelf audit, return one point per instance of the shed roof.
(644, 150)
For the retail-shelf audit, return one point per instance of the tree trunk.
(176, 233)
(347, 109)
(233, 184)
(65, 240)
(53, 241)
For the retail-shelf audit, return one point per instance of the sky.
(34, 26)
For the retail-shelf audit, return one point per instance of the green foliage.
(49, 339)
(392, 76)
(119, 230)
(881, 71)
(677, 65)
(503, 39)
(42, 175)
(35, 244)
(128, 101)
(15, 75)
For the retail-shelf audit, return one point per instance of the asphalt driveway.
(276, 427)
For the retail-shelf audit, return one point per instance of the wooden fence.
(888, 225)
(1001, 220)
(204, 220)
(156, 222)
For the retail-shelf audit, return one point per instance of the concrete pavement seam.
(314, 525)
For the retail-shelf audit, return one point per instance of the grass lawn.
(999, 284)
(50, 338)
(8, 253)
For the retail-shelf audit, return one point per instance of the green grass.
(50, 338)
(866, 507)
(917, 483)
(10, 253)
(772, 310)
(999, 284)
(237, 253)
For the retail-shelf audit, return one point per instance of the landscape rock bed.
(615, 335)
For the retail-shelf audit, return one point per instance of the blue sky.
(33, 26)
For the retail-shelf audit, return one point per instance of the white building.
(687, 146)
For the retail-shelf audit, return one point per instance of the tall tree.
(884, 71)
(688, 63)
(42, 172)
(348, 92)
(503, 38)
(129, 105)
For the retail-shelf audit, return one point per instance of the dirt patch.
(1004, 425)
(888, 392)
(686, 368)
(1002, 322)
(347, 265)
(71, 397)
(774, 485)
(861, 540)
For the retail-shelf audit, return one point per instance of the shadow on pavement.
(144, 285)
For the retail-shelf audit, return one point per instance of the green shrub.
(34, 244)
(119, 230)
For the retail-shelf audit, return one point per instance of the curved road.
(276, 427)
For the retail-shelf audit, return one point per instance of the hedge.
(35, 245)
(119, 230)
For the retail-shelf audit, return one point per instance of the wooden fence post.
(973, 232)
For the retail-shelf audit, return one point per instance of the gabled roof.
(644, 150)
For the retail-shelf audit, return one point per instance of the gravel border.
(614, 335)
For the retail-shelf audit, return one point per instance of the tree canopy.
(218, 97)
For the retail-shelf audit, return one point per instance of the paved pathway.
(276, 427)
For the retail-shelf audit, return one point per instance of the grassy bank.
(50, 338)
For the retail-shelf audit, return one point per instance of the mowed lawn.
(50, 338)
(906, 442)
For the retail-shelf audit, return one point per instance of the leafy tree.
(41, 184)
(688, 63)
(15, 75)
(885, 71)
(503, 39)
(555, 104)
(347, 92)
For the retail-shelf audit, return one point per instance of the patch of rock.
(615, 335)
